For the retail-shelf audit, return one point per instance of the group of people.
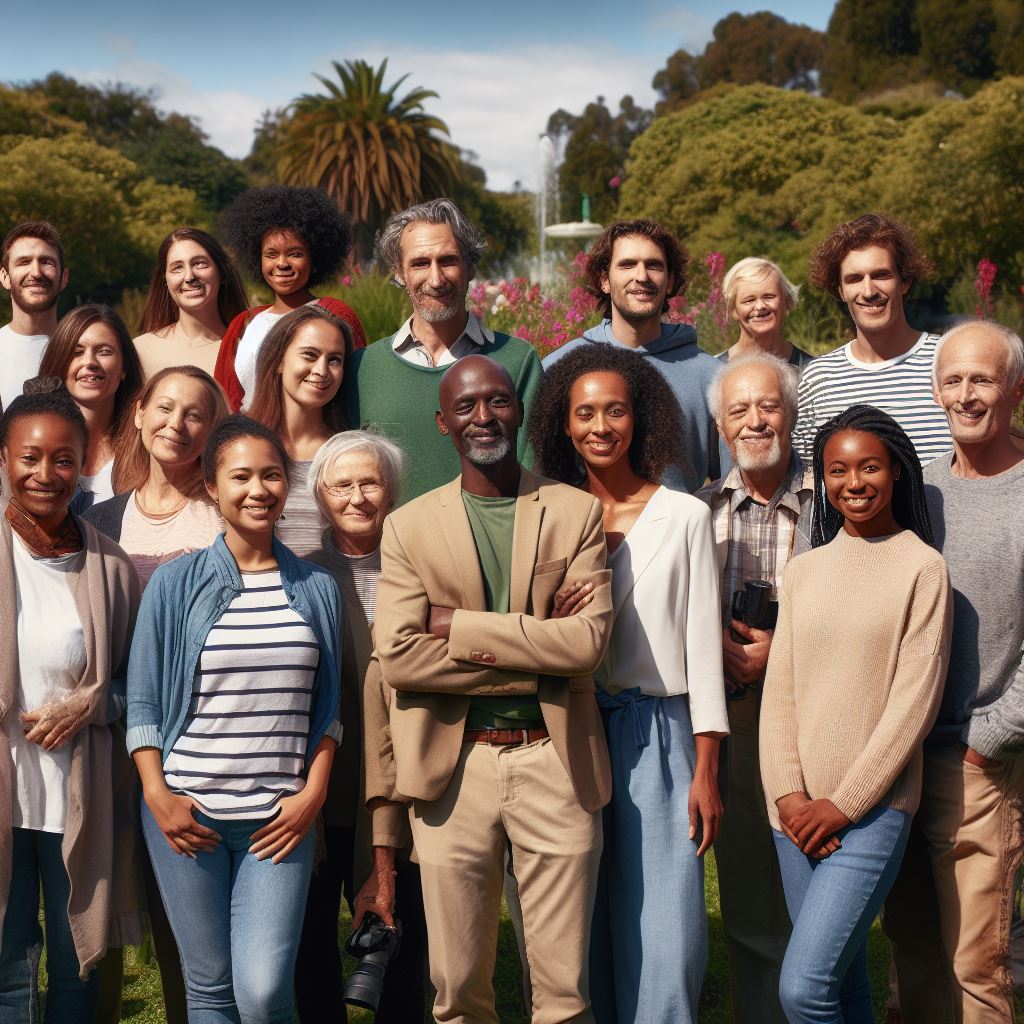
(294, 619)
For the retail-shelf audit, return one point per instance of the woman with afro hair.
(608, 422)
(294, 238)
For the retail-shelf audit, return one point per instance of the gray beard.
(750, 462)
(490, 456)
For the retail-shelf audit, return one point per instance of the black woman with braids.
(853, 686)
(293, 239)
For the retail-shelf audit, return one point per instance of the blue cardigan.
(182, 603)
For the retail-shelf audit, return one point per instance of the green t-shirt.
(493, 521)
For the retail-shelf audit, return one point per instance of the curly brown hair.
(659, 432)
(599, 260)
(869, 229)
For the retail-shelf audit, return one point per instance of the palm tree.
(372, 152)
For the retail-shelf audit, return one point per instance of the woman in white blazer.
(660, 687)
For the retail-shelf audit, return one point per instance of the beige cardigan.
(106, 594)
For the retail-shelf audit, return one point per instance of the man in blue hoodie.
(634, 268)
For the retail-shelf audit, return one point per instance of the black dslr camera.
(754, 607)
(374, 945)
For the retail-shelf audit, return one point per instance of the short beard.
(489, 456)
(753, 463)
(439, 315)
(34, 305)
(637, 318)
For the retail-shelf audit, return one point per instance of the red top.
(224, 372)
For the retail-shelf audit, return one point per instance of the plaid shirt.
(755, 541)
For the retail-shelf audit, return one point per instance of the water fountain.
(547, 198)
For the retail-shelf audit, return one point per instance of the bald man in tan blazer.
(465, 635)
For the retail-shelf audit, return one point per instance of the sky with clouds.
(500, 70)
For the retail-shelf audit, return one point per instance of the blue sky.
(500, 69)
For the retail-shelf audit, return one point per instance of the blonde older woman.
(759, 296)
(354, 480)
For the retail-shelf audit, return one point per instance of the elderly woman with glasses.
(354, 480)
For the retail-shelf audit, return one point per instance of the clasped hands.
(57, 721)
(812, 825)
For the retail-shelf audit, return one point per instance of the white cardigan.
(667, 632)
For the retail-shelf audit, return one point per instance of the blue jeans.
(37, 857)
(649, 943)
(833, 903)
(237, 921)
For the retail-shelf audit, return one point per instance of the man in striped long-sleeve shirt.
(871, 263)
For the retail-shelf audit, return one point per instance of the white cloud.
(687, 29)
(496, 103)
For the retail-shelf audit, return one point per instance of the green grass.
(143, 1003)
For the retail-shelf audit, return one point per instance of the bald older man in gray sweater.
(948, 915)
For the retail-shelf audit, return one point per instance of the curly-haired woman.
(607, 421)
(294, 239)
(194, 293)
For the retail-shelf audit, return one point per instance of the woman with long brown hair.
(93, 355)
(298, 374)
(195, 292)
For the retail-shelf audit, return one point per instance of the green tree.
(373, 151)
(595, 146)
(169, 148)
(956, 40)
(25, 113)
(697, 172)
(677, 81)
(111, 217)
(870, 45)
(1008, 43)
(956, 178)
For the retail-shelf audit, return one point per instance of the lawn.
(144, 1005)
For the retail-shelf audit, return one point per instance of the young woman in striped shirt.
(233, 721)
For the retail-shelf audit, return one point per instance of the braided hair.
(909, 508)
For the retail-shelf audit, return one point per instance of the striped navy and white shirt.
(244, 742)
(902, 387)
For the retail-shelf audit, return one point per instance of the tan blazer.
(429, 558)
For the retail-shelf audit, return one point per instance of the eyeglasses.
(370, 489)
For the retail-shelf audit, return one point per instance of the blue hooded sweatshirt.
(689, 370)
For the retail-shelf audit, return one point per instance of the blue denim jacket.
(180, 606)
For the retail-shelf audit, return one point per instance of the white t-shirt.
(51, 659)
(249, 345)
(20, 356)
(98, 487)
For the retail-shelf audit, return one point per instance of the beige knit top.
(856, 673)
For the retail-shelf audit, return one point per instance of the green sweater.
(385, 394)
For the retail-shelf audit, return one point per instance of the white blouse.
(667, 633)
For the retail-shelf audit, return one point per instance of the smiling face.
(973, 388)
(870, 285)
(859, 479)
(251, 485)
(33, 275)
(480, 410)
(97, 366)
(637, 280)
(434, 272)
(176, 421)
(600, 418)
(754, 423)
(192, 277)
(760, 305)
(43, 457)
(313, 364)
(357, 501)
(286, 262)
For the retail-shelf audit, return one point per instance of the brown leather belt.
(503, 737)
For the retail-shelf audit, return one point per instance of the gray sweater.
(978, 529)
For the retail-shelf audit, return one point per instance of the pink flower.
(983, 286)
(614, 182)
(347, 280)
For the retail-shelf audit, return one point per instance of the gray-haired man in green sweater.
(390, 387)
(948, 914)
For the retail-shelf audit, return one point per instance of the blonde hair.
(754, 268)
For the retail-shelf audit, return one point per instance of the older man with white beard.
(761, 515)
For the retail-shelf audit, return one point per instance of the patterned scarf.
(66, 541)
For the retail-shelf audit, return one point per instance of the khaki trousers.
(522, 796)
(948, 915)
(754, 913)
